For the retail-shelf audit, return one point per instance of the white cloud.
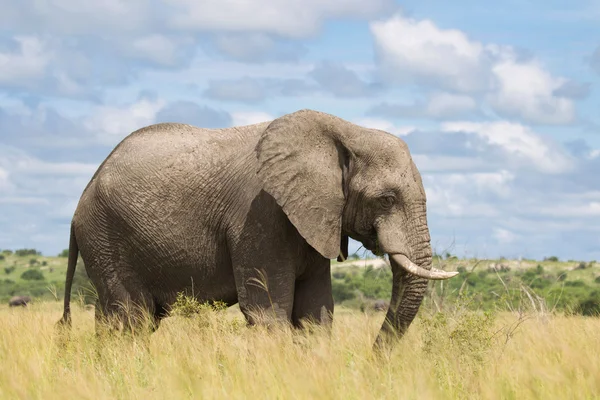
(27, 64)
(455, 195)
(279, 17)
(504, 236)
(15, 161)
(242, 118)
(5, 183)
(442, 163)
(574, 209)
(516, 139)
(157, 48)
(383, 125)
(466, 194)
(413, 51)
(74, 17)
(20, 200)
(526, 90)
(446, 104)
(419, 50)
(120, 121)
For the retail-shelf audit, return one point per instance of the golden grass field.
(215, 356)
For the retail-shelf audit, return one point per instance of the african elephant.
(16, 301)
(211, 211)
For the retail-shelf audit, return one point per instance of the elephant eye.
(387, 201)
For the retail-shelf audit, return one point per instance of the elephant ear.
(301, 164)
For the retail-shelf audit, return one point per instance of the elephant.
(251, 215)
(16, 301)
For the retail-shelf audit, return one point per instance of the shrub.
(539, 269)
(27, 252)
(188, 306)
(7, 252)
(551, 258)
(339, 274)
(597, 280)
(33, 261)
(341, 291)
(577, 283)
(590, 306)
(8, 270)
(2, 257)
(64, 253)
(32, 275)
(44, 263)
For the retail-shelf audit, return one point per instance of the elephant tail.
(72, 264)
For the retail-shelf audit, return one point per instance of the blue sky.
(499, 102)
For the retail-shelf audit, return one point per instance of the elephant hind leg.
(132, 311)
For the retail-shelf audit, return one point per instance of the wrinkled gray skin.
(178, 208)
(17, 301)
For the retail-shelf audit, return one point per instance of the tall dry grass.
(465, 355)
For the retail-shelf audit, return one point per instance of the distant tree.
(33, 261)
(581, 265)
(27, 252)
(64, 253)
(591, 305)
(551, 258)
(32, 275)
(539, 269)
(7, 252)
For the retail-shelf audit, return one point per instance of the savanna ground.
(501, 330)
(458, 354)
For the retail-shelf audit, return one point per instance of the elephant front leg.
(265, 296)
(313, 299)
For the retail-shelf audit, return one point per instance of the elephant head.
(335, 180)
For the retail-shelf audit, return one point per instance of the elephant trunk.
(410, 279)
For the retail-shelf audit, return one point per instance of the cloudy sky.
(498, 101)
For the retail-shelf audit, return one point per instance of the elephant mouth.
(405, 263)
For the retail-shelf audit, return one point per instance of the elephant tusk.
(433, 273)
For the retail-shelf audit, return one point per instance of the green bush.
(33, 275)
(64, 253)
(27, 252)
(2, 257)
(551, 258)
(577, 283)
(341, 291)
(7, 252)
(597, 280)
(339, 274)
(9, 270)
(590, 306)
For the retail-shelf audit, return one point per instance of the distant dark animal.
(381, 305)
(16, 301)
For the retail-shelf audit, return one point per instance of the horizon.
(498, 103)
